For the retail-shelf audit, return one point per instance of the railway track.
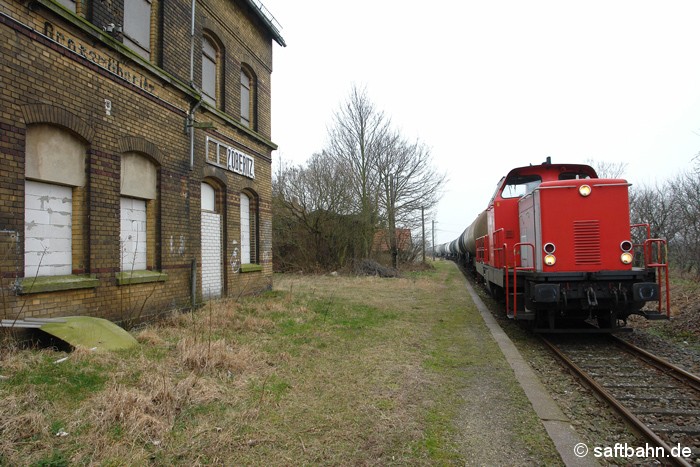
(660, 400)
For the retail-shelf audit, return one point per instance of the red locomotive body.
(556, 243)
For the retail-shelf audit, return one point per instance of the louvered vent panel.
(587, 242)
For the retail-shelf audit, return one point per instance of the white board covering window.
(245, 98)
(209, 71)
(47, 229)
(137, 26)
(70, 4)
(245, 229)
(208, 198)
(212, 276)
(132, 235)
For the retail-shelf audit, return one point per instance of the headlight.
(584, 190)
(549, 260)
(626, 257)
(626, 245)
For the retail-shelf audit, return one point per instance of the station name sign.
(240, 163)
(223, 155)
(100, 59)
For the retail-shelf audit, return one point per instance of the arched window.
(211, 243)
(54, 202)
(208, 198)
(210, 70)
(248, 96)
(138, 207)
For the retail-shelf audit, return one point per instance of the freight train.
(555, 243)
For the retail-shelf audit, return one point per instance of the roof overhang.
(268, 20)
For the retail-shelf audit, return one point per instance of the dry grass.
(323, 370)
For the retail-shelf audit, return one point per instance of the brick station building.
(135, 154)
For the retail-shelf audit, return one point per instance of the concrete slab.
(558, 426)
(90, 332)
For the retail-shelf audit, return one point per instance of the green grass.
(66, 380)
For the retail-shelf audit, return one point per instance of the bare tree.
(409, 181)
(357, 138)
(608, 169)
(310, 202)
(685, 190)
(369, 177)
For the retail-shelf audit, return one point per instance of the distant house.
(404, 242)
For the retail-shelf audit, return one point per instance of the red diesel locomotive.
(556, 243)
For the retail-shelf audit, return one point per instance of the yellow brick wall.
(61, 71)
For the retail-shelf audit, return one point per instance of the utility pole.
(422, 218)
(433, 239)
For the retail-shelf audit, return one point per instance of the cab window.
(521, 185)
(573, 176)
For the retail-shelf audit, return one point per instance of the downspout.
(190, 117)
(189, 126)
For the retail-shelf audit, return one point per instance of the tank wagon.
(556, 244)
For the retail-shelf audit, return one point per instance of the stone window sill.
(28, 285)
(251, 267)
(140, 277)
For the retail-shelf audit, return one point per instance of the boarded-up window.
(209, 73)
(70, 4)
(137, 26)
(249, 229)
(54, 167)
(47, 229)
(139, 193)
(212, 277)
(208, 198)
(245, 98)
(245, 229)
(132, 234)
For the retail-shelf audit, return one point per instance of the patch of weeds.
(385, 404)
(56, 426)
(192, 414)
(292, 327)
(438, 435)
(272, 387)
(157, 354)
(424, 274)
(356, 317)
(680, 337)
(56, 459)
(65, 380)
(270, 295)
(116, 432)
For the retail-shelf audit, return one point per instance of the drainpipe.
(190, 117)
(189, 127)
(193, 284)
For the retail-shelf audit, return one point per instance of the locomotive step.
(581, 330)
(655, 316)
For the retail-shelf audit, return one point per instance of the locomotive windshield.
(573, 175)
(520, 185)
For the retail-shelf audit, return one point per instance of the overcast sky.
(494, 85)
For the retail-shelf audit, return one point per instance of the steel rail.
(643, 429)
(660, 364)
